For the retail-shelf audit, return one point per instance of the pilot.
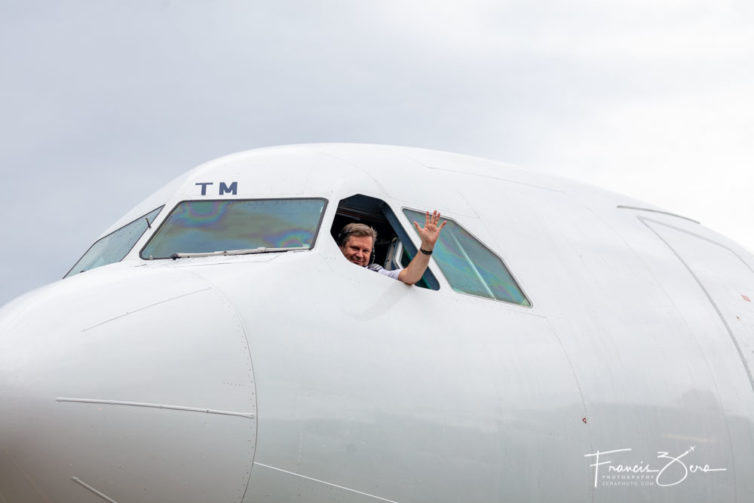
(356, 241)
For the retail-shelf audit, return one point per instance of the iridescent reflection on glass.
(211, 226)
(469, 266)
(115, 246)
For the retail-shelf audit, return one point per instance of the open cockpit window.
(392, 240)
(116, 245)
(238, 227)
(470, 267)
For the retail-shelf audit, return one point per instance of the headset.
(344, 234)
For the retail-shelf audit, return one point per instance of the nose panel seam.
(248, 415)
(146, 307)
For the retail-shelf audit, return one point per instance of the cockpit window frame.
(315, 234)
(527, 302)
(157, 212)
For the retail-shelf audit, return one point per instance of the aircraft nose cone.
(137, 392)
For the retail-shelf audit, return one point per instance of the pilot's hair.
(358, 230)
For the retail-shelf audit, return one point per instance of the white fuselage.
(300, 376)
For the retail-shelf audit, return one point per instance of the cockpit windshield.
(116, 245)
(236, 227)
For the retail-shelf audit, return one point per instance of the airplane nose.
(125, 387)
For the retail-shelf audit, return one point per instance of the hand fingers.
(433, 219)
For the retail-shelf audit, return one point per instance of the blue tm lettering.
(204, 186)
(232, 188)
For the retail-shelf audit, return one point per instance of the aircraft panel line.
(90, 488)
(624, 207)
(147, 307)
(704, 289)
(325, 483)
(248, 415)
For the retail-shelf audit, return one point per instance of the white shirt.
(385, 272)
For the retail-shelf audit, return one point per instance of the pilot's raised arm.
(429, 234)
(357, 241)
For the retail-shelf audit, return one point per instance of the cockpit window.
(236, 227)
(116, 245)
(393, 248)
(469, 266)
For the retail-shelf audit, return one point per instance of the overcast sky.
(103, 101)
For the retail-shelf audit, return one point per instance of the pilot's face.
(358, 249)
